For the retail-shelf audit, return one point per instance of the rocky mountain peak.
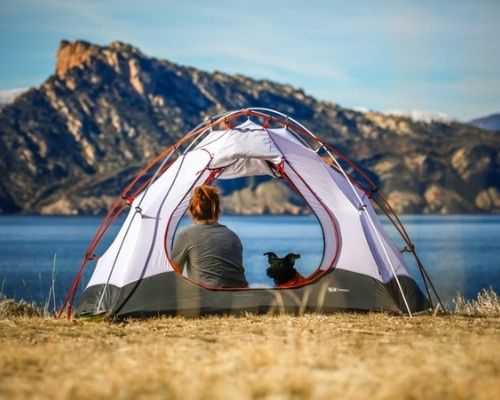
(124, 47)
(80, 52)
(69, 145)
(72, 54)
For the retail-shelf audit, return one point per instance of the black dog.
(281, 270)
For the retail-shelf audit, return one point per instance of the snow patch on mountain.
(422, 116)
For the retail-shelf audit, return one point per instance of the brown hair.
(205, 203)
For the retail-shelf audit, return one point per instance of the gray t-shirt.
(212, 254)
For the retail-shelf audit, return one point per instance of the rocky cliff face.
(69, 145)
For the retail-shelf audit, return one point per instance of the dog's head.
(281, 270)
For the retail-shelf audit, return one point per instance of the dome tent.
(360, 268)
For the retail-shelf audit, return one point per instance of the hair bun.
(205, 203)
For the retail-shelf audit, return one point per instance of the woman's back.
(212, 254)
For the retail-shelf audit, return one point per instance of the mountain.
(490, 122)
(69, 145)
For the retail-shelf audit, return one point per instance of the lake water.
(461, 253)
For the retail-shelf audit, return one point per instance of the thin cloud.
(406, 56)
(420, 115)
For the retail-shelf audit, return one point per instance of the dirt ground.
(347, 356)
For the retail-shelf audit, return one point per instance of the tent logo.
(336, 289)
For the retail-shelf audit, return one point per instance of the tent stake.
(438, 298)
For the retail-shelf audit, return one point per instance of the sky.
(390, 56)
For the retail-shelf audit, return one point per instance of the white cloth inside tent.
(241, 151)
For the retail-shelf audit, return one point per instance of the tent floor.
(170, 294)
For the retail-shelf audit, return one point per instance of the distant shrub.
(487, 303)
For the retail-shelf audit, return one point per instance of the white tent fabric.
(351, 242)
(138, 250)
(356, 254)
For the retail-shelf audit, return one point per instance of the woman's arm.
(180, 251)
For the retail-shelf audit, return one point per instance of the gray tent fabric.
(170, 294)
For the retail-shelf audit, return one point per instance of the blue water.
(461, 253)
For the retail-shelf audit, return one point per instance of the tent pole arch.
(191, 138)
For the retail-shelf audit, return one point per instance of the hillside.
(490, 122)
(70, 144)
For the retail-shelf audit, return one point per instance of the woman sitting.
(211, 253)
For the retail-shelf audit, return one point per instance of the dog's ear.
(271, 257)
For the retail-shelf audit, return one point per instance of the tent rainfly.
(360, 269)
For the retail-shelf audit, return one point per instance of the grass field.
(345, 356)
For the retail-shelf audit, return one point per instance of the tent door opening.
(319, 249)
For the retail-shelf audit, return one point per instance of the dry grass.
(10, 308)
(350, 356)
(487, 303)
